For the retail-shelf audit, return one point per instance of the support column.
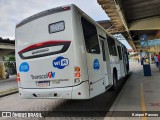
(2, 68)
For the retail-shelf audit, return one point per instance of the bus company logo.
(96, 64)
(51, 74)
(45, 76)
(24, 67)
(60, 62)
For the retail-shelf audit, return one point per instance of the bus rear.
(45, 57)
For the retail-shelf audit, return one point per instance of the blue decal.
(60, 62)
(96, 64)
(24, 67)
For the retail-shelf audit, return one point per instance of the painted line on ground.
(143, 102)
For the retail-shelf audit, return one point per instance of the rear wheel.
(114, 87)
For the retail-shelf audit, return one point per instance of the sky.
(14, 11)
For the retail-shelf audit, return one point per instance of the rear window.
(90, 36)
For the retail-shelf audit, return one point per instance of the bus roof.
(61, 9)
(44, 13)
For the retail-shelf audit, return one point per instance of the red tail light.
(77, 75)
(18, 77)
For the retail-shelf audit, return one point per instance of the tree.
(10, 64)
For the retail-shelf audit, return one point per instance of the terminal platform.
(140, 94)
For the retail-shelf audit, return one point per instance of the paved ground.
(8, 83)
(139, 93)
(96, 105)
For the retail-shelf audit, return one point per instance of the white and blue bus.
(63, 53)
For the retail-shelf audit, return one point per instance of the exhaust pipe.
(34, 95)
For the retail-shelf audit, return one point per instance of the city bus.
(62, 53)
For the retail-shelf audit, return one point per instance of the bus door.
(124, 60)
(106, 60)
(121, 61)
(127, 61)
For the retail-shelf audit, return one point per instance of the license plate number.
(43, 83)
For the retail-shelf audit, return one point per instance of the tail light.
(77, 69)
(77, 75)
(18, 78)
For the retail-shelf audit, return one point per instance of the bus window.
(112, 46)
(103, 50)
(90, 36)
(119, 52)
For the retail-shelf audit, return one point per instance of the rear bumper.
(76, 92)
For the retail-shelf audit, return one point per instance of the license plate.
(43, 83)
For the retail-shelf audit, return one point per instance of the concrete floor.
(140, 93)
(8, 83)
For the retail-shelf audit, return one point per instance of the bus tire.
(114, 86)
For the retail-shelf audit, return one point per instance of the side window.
(112, 46)
(126, 53)
(119, 52)
(90, 36)
(122, 49)
(103, 50)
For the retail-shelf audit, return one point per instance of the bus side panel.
(79, 57)
(94, 57)
(81, 91)
(97, 88)
(116, 64)
(79, 45)
(96, 76)
(118, 71)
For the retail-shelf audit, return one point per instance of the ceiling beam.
(137, 41)
(121, 14)
(146, 24)
(116, 30)
(115, 12)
